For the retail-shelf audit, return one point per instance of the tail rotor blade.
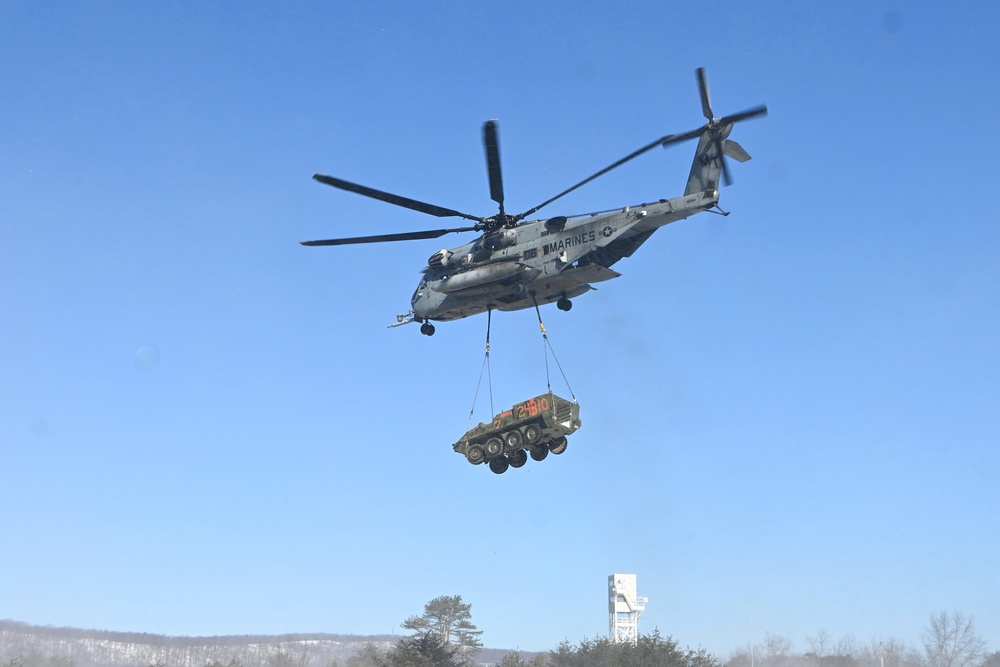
(727, 180)
(754, 112)
(706, 99)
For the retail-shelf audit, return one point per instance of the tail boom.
(709, 159)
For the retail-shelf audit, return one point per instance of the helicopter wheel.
(539, 452)
(499, 465)
(559, 445)
(564, 304)
(427, 329)
(518, 458)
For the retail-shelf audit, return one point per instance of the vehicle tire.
(532, 433)
(518, 458)
(499, 465)
(475, 454)
(427, 329)
(513, 439)
(539, 452)
(564, 304)
(559, 445)
(493, 447)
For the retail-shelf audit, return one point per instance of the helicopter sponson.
(485, 278)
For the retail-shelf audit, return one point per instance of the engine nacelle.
(503, 238)
(556, 224)
(440, 259)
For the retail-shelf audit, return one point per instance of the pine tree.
(449, 619)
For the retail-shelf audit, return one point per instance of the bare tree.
(819, 644)
(951, 640)
(740, 657)
(776, 650)
(889, 653)
(847, 647)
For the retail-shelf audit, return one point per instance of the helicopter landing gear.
(564, 304)
(427, 329)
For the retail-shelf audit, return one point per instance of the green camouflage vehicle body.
(536, 427)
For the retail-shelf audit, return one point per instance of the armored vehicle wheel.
(559, 445)
(427, 329)
(493, 447)
(499, 465)
(517, 458)
(513, 439)
(539, 452)
(532, 434)
(475, 454)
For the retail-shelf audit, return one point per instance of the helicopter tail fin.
(709, 164)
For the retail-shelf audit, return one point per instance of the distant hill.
(101, 648)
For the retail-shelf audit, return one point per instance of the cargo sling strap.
(484, 369)
(546, 349)
(487, 370)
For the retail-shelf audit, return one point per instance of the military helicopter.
(516, 264)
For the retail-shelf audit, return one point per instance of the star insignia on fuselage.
(607, 231)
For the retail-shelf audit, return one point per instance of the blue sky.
(790, 415)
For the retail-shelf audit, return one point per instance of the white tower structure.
(624, 608)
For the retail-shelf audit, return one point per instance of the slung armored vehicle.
(536, 427)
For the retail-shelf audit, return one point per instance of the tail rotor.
(715, 144)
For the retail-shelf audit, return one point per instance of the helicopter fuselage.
(542, 261)
(517, 264)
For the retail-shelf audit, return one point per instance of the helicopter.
(516, 264)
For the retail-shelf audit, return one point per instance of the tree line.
(949, 640)
(444, 636)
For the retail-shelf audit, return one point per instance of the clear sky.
(791, 416)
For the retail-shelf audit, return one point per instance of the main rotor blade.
(647, 147)
(493, 161)
(706, 100)
(405, 202)
(383, 238)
